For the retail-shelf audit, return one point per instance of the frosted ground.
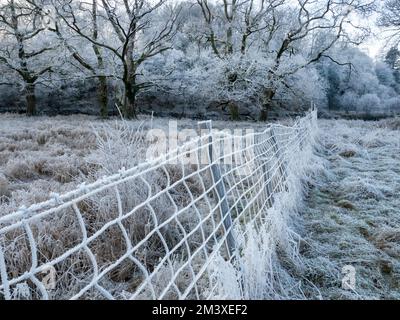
(351, 215)
(44, 155)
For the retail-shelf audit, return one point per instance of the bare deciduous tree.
(94, 69)
(128, 33)
(230, 20)
(281, 28)
(21, 23)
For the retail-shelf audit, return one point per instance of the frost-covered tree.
(364, 86)
(392, 58)
(130, 33)
(88, 58)
(262, 44)
(26, 47)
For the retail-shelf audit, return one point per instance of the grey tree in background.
(24, 46)
(392, 58)
(129, 32)
(93, 67)
(278, 30)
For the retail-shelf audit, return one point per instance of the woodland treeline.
(242, 57)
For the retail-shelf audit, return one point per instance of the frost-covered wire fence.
(194, 224)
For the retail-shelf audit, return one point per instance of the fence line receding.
(155, 231)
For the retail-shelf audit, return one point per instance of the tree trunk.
(264, 115)
(267, 104)
(229, 41)
(234, 111)
(129, 80)
(30, 99)
(103, 96)
(129, 104)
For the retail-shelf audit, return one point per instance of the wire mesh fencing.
(161, 229)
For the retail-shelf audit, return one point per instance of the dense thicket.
(196, 57)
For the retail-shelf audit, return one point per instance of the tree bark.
(267, 104)
(129, 80)
(30, 99)
(103, 96)
(229, 40)
(129, 103)
(103, 88)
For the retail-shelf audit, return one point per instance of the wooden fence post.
(220, 190)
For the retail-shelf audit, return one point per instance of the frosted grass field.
(353, 213)
(55, 154)
(350, 217)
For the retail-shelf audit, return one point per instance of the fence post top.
(206, 124)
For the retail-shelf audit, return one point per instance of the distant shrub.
(19, 170)
(393, 105)
(347, 153)
(41, 140)
(369, 103)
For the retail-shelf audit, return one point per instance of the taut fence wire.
(177, 227)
